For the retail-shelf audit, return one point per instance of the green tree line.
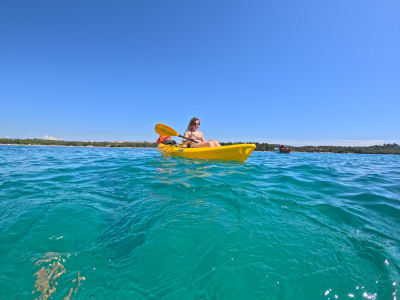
(377, 149)
(76, 143)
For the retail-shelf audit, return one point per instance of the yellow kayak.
(238, 152)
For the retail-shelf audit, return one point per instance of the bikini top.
(196, 139)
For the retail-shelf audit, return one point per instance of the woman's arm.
(202, 137)
(187, 135)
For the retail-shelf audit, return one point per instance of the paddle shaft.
(181, 136)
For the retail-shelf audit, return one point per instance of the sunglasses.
(197, 123)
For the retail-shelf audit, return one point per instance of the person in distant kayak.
(193, 133)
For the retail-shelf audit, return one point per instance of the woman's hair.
(191, 123)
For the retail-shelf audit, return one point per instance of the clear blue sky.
(296, 72)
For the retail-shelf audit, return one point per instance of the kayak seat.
(169, 142)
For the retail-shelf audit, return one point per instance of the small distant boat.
(283, 149)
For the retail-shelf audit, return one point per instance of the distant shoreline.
(377, 149)
(39, 145)
(105, 144)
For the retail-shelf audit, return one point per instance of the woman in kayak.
(193, 133)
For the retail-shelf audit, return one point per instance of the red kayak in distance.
(283, 149)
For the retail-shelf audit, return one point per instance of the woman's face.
(196, 124)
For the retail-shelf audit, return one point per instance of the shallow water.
(105, 223)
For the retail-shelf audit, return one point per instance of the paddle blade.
(165, 130)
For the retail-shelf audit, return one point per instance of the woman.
(193, 133)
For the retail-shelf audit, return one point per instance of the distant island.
(377, 149)
(53, 142)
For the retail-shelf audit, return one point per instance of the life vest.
(162, 138)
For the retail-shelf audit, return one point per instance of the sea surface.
(102, 223)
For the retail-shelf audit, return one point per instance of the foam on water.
(108, 223)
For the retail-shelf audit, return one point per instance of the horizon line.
(289, 142)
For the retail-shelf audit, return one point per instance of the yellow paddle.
(168, 131)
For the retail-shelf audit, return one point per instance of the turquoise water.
(99, 223)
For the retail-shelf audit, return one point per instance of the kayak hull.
(238, 152)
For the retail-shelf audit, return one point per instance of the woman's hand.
(186, 135)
